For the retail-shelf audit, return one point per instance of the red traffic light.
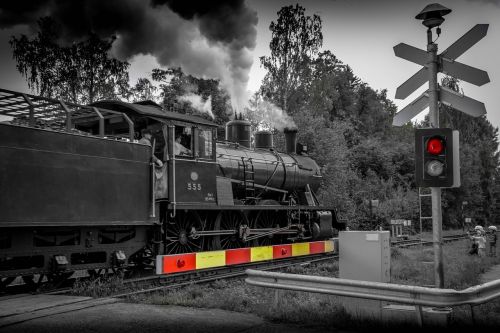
(435, 146)
(437, 157)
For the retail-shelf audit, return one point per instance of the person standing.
(481, 243)
(492, 240)
(146, 140)
(474, 245)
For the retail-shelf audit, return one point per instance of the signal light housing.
(437, 157)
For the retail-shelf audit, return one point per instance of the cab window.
(205, 143)
(182, 143)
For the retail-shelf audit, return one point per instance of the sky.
(362, 34)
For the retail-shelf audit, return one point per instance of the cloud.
(209, 39)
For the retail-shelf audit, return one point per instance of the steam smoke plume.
(274, 115)
(198, 104)
(209, 39)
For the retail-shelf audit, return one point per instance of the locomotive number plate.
(194, 186)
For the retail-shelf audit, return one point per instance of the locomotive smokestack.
(263, 140)
(290, 140)
(239, 131)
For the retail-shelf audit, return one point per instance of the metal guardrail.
(413, 295)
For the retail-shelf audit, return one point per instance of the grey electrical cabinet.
(365, 255)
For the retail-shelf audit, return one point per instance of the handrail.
(101, 121)
(31, 109)
(414, 295)
(50, 111)
(238, 158)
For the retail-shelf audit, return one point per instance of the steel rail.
(414, 242)
(221, 273)
(176, 281)
(206, 275)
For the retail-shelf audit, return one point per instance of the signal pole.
(432, 17)
(437, 226)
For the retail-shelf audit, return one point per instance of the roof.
(152, 111)
(45, 111)
(52, 113)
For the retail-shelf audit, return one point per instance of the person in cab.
(179, 149)
(146, 140)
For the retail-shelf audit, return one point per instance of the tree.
(479, 159)
(332, 87)
(143, 90)
(80, 73)
(296, 39)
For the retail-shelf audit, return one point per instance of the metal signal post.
(432, 17)
(437, 216)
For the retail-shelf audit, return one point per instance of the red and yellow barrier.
(176, 263)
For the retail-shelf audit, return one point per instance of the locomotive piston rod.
(256, 233)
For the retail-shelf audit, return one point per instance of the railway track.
(224, 272)
(415, 242)
(39, 305)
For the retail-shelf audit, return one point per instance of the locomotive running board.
(194, 206)
(176, 263)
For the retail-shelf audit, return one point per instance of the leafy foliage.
(296, 38)
(143, 90)
(81, 72)
(479, 159)
(347, 127)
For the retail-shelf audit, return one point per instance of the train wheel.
(230, 221)
(4, 282)
(266, 220)
(181, 234)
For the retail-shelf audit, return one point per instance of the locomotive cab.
(186, 146)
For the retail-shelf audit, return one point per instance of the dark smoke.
(206, 38)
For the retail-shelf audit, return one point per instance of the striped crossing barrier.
(176, 263)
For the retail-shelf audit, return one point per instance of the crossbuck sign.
(446, 65)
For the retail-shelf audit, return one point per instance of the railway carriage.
(78, 191)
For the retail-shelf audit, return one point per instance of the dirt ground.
(131, 317)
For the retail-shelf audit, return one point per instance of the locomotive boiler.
(267, 172)
(78, 191)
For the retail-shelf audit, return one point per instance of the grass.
(460, 269)
(460, 272)
(235, 295)
(103, 286)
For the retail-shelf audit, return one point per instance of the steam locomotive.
(79, 192)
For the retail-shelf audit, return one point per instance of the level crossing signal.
(447, 65)
(437, 157)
